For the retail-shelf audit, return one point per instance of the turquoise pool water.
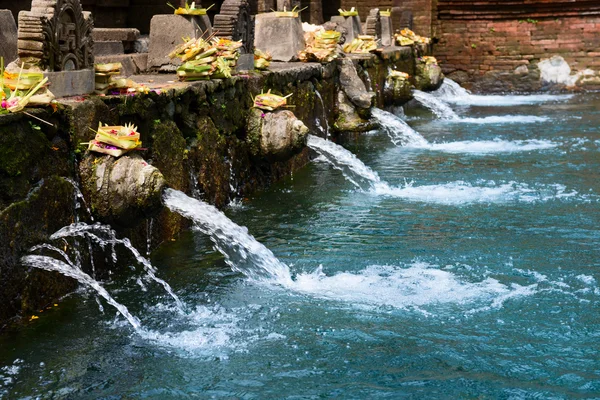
(475, 274)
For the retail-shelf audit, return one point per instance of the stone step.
(106, 48)
(115, 34)
(132, 63)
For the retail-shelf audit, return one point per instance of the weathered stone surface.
(428, 77)
(387, 31)
(56, 35)
(282, 37)
(106, 48)
(123, 190)
(8, 36)
(373, 24)
(245, 62)
(351, 25)
(166, 32)
(71, 83)
(348, 119)
(115, 34)
(287, 4)
(353, 86)
(397, 92)
(276, 135)
(24, 224)
(131, 64)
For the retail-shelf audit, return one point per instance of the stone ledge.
(115, 34)
(71, 83)
(106, 48)
(132, 64)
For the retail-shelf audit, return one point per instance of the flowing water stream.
(460, 260)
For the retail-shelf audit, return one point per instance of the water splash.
(453, 193)
(463, 193)
(93, 231)
(438, 107)
(488, 146)
(52, 264)
(402, 134)
(242, 252)
(503, 119)
(452, 92)
(419, 286)
(353, 169)
(399, 131)
(326, 132)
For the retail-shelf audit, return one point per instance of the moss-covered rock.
(275, 135)
(121, 191)
(23, 224)
(428, 77)
(28, 153)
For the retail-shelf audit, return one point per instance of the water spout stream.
(242, 252)
(399, 131)
(439, 108)
(52, 264)
(89, 231)
(353, 169)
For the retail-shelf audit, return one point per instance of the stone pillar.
(287, 5)
(373, 24)
(387, 31)
(265, 6)
(8, 36)
(316, 12)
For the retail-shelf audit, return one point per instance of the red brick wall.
(424, 15)
(497, 47)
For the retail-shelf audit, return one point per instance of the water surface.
(473, 274)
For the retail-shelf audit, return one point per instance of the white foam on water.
(419, 286)
(463, 193)
(502, 119)
(452, 92)
(487, 146)
(210, 334)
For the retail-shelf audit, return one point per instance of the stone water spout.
(123, 190)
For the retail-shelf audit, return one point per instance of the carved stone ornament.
(235, 22)
(56, 35)
(373, 25)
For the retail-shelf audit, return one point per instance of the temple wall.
(503, 54)
(492, 47)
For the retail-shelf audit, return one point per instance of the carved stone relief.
(235, 22)
(56, 35)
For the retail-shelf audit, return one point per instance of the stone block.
(352, 26)
(245, 62)
(115, 34)
(282, 37)
(166, 32)
(387, 31)
(8, 36)
(71, 83)
(107, 48)
(132, 64)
